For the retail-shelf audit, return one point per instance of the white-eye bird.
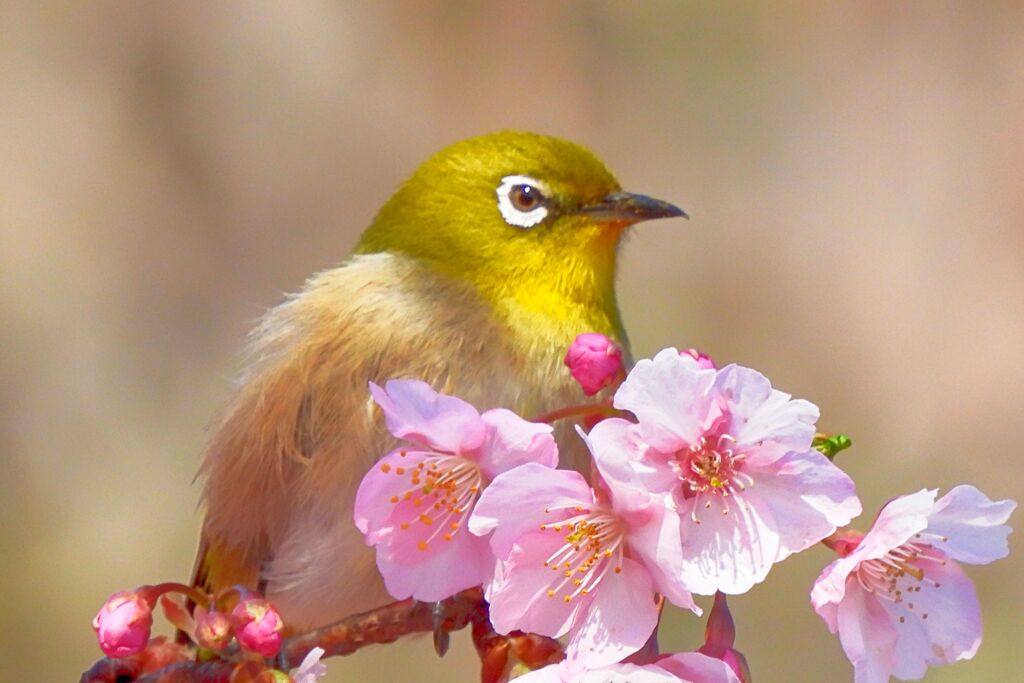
(475, 276)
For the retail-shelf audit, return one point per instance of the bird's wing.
(301, 430)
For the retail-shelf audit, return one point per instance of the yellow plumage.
(443, 288)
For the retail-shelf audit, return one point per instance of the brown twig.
(383, 625)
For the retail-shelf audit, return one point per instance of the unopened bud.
(214, 631)
(123, 624)
(257, 626)
(594, 361)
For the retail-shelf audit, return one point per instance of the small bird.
(475, 277)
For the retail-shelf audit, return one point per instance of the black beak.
(631, 208)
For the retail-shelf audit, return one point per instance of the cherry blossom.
(575, 561)
(732, 457)
(414, 503)
(897, 596)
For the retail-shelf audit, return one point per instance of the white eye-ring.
(522, 201)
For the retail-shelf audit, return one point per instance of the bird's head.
(529, 220)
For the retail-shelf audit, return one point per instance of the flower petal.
(515, 503)
(867, 635)
(376, 497)
(727, 552)
(618, 621)
(414, 411)
(444, 569)
(625, 460)
(512, 441)
(762, 416)
(657, 544)
(669, 396)
(806, 497)
(519, 595)
(973, 525)
(697, 667)
(942, 626)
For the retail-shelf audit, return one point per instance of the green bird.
(475, 277)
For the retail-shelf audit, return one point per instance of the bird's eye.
(525, 197)
(522, 201)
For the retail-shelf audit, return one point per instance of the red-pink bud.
(704, 361)
(594, 361)
(123, 624)
(719, 637)
(257, 626)
(214, 631)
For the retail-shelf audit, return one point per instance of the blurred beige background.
(169, 170)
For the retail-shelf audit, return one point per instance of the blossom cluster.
(703, 480)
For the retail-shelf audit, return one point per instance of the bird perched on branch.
(475, 277)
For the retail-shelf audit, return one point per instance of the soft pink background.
(854, 173)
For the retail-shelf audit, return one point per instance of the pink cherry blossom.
(123, 624)
(574, 562)
(688, 667)
(258, 626)
(732, 457)
(594, 361)
(414, 503)
(897, 598)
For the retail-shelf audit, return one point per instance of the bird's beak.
(626, 207)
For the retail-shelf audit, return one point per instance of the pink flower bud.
(704, 361)
(594, 361)
(123, 624)
(214, 631)
(719, 637)
(257, 626)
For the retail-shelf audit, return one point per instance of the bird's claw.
(442, 639)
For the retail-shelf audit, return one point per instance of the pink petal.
(897, 522)
(830, 588)
(515, 503)
(414, 411)
(512, 441)
(867, 635)
(973, 524)
(624, 459)
(519, 597)
(727, 552)
(618, 621)
(373, 509)
(762, 416)
(952, 629)
(806, 497)
(669, 396)
(698, 668)
(446, 568)
(657, 545)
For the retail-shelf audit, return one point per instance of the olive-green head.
(521, 216)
